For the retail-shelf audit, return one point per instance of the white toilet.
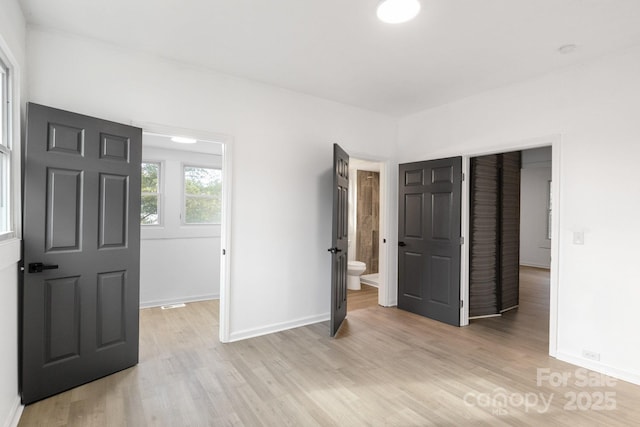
(354, 271)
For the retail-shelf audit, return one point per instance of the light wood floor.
(366, 297)
(387, 367)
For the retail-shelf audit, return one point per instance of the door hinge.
(224, 252)
(463, 176)
(462, 240)
(461, 303)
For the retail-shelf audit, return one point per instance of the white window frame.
(549, 208)
(10, 145)
(183, 216)
(158, 194)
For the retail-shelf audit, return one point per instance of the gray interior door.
(339, 238)
(429, 239)
(80, 292)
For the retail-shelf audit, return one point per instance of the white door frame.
(555, 141)
(225, 229)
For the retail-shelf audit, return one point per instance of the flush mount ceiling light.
(183, 140)
(398, 11)
(567, 48)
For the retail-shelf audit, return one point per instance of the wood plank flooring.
(386, 367)
(366, 297)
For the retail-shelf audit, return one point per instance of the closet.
(495, 234)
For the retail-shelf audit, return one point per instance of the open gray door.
(429, 239)
(80, 294)
(339, 238)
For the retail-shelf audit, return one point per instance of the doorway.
(365, 236)
(510, 226)
(536, 247)
(180, 220)
(197, 219)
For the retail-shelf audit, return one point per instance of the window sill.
(180, 232)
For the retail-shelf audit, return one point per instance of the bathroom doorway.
(365, 241)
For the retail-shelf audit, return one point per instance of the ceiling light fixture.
(183, 140)
(397, 11)
(567, 48)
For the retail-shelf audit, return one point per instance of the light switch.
(578, 237)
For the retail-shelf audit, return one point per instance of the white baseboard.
(369, 283)
(180, 300)
(486, 316)
(13, 417)
(632, 377)
(277, 327)
(534, 264)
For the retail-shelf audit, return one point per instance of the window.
(5, 154)
(549, 211)
(150, 208)
(202, 195)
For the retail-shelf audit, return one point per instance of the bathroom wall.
(368, 219)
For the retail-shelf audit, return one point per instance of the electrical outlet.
(591, 355)
(578, 237)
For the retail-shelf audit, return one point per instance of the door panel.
(111, 321)
(440, 220)
(510, 231)
(114, 190)
(412, 264)
(495, 233)
(339, 238)
(413, 205)
(79, 308)
(64, 195)
(62, 317)
(429, 239)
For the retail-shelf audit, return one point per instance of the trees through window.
(150, 201)
(202, 195)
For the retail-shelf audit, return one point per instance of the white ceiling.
(337, 49)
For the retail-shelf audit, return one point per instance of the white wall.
(282, 155)
(595, 108)
(12, 38)
(535, 248)
(178, 263)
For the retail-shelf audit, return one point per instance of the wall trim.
(180, 300)
(603, 368)
(278, 327)
(535, 265)
(14, 414)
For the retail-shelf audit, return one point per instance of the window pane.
(5, 153)
(199, 210)
(549, 211)
(4, 96)
(150, 182)
(203, 191)
(202, 181)
(149, 210)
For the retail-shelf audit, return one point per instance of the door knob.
(334, 250)
(402, 244)
(38, 267)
